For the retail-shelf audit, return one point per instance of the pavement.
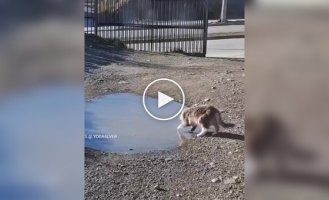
(225, 32)
(226, 41)
(226, 48)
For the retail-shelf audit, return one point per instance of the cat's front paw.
(200, 135)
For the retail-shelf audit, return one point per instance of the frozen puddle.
(118, 123)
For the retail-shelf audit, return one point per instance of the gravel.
(195, 169)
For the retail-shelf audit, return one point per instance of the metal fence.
(151, 25)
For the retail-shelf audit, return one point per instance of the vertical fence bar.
(205, 27)
(133, 27)
(164, 22)
(192, 26)
(96, 17)
(198, 29)
(138, 21)
(164, 31)
(144, 37)
(152, 25)
(109, 20)
(156, 10)
(159, 15)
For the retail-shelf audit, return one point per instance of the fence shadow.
(226, 135)
(100, 52)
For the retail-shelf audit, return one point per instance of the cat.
(203, 116)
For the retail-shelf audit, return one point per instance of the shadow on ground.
(227, 135)
(100, 52)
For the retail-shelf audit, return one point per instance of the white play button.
(164, 107)
(163, 99)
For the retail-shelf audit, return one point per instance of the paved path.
(226, 48)
(226, 29)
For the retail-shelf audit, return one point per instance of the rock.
(234, 179)
(121, 166)
(229, 181)
(212, 164)
(168, 159)
(229, 153)
(157, 187)
(179, 195)
(131, 149)
(206, 100)
(213, 87)
(215, 180)
(123, 82)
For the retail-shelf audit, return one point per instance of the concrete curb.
(219, 36)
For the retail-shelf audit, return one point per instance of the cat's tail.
(222, 123)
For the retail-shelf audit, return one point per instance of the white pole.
(223, 13)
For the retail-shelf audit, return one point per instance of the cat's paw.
(200, 135)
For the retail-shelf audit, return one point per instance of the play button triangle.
(163, 99)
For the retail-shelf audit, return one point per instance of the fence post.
(96, 17)
(223, 12)
(205, 27)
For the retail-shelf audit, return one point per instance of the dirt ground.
(203, 168)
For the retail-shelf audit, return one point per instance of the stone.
(213, 87)
(215, 180)
(229, 181)
(206, 100)
(122, 82)
(179, 195)
(168, 159)
(234, 179)
(157, 187)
